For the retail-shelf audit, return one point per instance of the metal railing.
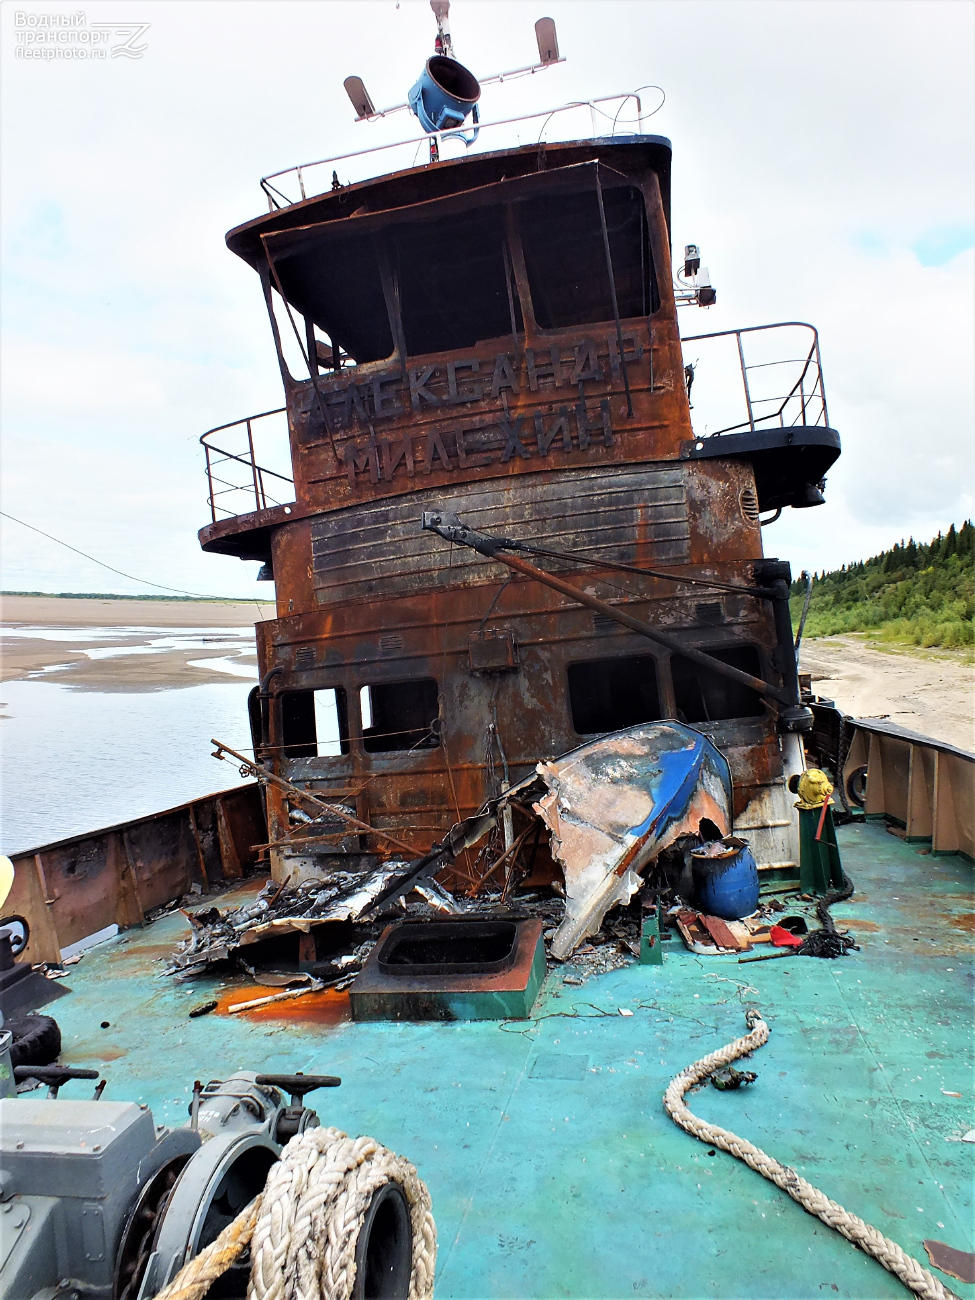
(803, 403)
(238, 474)
(277, 198)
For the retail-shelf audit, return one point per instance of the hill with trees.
(916, 593)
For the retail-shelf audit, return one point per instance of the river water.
(75, 758)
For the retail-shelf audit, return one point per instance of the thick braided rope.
(894, 1259)
(194, 1279)
(314, 1203)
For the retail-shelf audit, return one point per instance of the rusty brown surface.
(529, 436)
(78, 886)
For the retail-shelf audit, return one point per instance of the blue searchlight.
(444, 95)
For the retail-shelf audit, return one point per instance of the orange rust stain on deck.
(966, 921)
(85, 1053)
(143, 951)
(325, 1008)
(869, 927)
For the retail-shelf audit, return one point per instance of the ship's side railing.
(234, 477)
(769, 399)
(922, 784)
(604, 124)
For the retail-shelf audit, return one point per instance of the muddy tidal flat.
(127, 645)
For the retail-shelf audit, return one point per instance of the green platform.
(553, 1168)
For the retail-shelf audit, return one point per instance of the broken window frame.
(603, 661)
(654, 298)
(308, 747)
(418, 746)
(761, 669)
(575, 178)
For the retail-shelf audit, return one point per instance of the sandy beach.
(929, 691)
(127, 645)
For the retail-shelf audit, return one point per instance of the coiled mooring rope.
(915, 1277)
(302, 1230)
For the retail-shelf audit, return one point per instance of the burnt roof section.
(631, 155)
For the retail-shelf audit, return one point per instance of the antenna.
(446, 94)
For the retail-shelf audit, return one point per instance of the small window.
(315, 723)
(456, 286)
(565, 257)
(400, 715)
(610, 694)
(703, 695)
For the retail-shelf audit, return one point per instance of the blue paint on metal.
(727, 887)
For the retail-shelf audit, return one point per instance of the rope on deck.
(302, 1230)
(915, 1277)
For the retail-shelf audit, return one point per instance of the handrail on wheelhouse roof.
(418, 185)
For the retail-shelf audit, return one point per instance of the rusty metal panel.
(78, 886)
(638, 511)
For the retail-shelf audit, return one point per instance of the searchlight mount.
(446, 94)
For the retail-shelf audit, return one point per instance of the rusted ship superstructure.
(497, 337)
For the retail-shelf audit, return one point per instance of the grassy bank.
(916, 594)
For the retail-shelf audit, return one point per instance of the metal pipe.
(744, 379)
(644, 629)
(805, 609)
(492, 548)
(250, 447)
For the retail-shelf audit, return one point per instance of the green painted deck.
(553, 1168)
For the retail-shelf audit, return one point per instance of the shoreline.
(110, 627)
(122, 611)
(928, 691)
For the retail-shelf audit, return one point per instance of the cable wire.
(111, 568)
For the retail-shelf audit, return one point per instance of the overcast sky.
(823, 160)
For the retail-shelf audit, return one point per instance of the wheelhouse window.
(399, 716)
(455, 283)
(335, 282)
(703, 695)
(565, 257)
(610, 694)
(315, 724)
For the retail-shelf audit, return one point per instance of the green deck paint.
(553, 1168)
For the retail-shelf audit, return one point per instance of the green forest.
(918, 594)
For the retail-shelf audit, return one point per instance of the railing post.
(822, 386)
(213, 508)
(744, 380)
(250, 446)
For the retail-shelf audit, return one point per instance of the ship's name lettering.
(419, 389)
(467, 446)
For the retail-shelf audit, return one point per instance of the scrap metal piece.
(462, 835)
(956, 1263)
(613, 805)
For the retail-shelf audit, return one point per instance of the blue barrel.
(726, 886)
